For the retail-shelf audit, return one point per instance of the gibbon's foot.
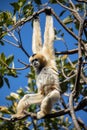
(18, 116)
(40, 114)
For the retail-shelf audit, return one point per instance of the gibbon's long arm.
(49, 37)
(36, 38)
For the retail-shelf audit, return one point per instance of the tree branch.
(73, 113)
(9, 68)
(80, 106)
(21, 45)
(76, 88)
(67, 52)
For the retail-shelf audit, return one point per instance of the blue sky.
(26, 34)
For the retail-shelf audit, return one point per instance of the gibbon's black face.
(38, 61)
(35, 63)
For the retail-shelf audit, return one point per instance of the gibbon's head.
(38, 61)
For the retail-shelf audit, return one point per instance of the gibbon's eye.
(35, 63)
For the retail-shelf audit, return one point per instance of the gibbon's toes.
(40, 115)
(17, 116)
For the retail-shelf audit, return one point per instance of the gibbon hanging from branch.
(43, 61)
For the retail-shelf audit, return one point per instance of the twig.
(76, 88)
(65, 6)
(73, 113)
(24, 20)
(67, 52)
(21, 45)
(82, 124)
(5, 119)
(9, 68)
(10, 42)
(85, 1)
(22, 62)
(68, 78)
(63, 25)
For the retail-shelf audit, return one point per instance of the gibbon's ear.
(48, 35)
(36, 38)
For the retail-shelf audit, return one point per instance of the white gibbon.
(43, 61)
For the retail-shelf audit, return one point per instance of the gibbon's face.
(38, 61)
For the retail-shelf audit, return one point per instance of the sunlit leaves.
(18, 5)
(13, 96)
(4, 110)
(5, 21)
(4, 69)
(67, 20)
(28, 9)
(6, 18)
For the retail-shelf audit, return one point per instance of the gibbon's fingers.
(36, 38)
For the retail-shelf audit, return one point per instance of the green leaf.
(67, 20)
(15, 6)
(28, 10)
(2, 56)
(37, 2)
(12, 73)
(2, 43)
(6, 18)
(9, 59)
(1, 81)
(7, 82)
(53, 1)
(61, 14)
(21, 3)
(2, 34)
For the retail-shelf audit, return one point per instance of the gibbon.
(43, 61)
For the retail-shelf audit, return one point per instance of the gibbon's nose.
(35, 63)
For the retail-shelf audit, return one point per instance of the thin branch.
(82, 124)
(22, 62)
(65, 6)
(84, 78)
(9, 68)
(74, 11)
(85, 1)
(5, 119)
(67, 52)
(21, 45)
(76, 14)
(24, 20)
(10, 42)
(63, 25)
(76, 88)
(68, 79)
(73, 113)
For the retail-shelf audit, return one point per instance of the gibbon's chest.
(46, 79)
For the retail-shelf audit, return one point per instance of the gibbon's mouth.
(36, 64)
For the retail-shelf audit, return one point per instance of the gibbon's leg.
(25, 102)
(48, 102)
